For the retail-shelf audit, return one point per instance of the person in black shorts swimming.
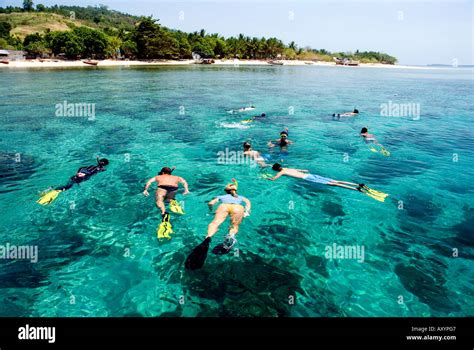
(167, 187)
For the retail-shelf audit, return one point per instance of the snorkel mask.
(102, 162)
(232, 191)
(166, 170)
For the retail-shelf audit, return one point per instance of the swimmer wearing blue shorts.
(303, 174)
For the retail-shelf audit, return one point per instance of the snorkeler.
(283, 141)
(354, 113)
(231, 205)
(253, 155)
(82, 174)
(364, 133)
(255, 117)
(167, 188)
(246, 109)
(243, 109)
(304, 174)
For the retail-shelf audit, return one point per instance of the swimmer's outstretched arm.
(147, 186)
(185, 185)
(212, 202)
(280, 174)
(248, 206)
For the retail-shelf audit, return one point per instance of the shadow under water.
(13, 170)
(465, 229)
(390, 168)
(244, 287)
(424, 277)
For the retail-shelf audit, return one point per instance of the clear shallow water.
(100, 256)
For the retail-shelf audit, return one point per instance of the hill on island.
(99, 32)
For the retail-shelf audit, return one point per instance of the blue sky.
(416, 32)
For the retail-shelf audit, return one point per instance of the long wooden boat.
(91, 62)
(275, 63)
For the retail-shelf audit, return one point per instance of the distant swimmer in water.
(254, 118)
(253, 155)
(82, 174)
(167, 188)
(364, 132)
(283, 141)
(370, 138)
(246, 109)
(354, 113)
(304, 174)
(243, 109)
(231, 205)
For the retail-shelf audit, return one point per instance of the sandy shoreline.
(113, 63)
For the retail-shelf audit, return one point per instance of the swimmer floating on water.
(283, 141)
(304, 174)
(167, 187)
(82, 174)
(243, 109)
(364, 133)
(354, 113)
(256, 117)
(253, 155)
(231, 205)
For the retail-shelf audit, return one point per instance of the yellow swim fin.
(384, 152)
(175, 207)
(380, 196)
(165, 228)
(48, 197)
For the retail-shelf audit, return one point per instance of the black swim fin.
(198, 256)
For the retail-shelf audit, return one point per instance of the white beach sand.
(230, 62)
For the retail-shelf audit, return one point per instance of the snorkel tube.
(232, 192)
(102, 162)
(166, 170)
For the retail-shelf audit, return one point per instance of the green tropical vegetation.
(98, 32)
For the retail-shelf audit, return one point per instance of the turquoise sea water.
(98, 254)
